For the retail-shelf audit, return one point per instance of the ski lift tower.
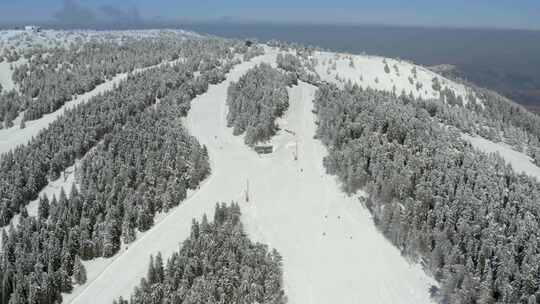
(296, 149)
(247, 191)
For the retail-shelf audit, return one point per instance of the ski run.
(332, 252)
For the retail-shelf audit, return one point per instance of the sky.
(523, 14)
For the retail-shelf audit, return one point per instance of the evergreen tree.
(434, 196)
(43, 208)
(255, 101)
(79, 271)
(217, 264)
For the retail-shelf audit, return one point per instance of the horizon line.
(164, 23)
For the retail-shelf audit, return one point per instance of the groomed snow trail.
(5, 76)
(331, 251)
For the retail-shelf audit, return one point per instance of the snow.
(5, 74)
(331, 251)
(519, 161)
(368, 71)
(5, 77)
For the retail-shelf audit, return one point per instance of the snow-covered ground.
(331, 251)
(369, 71)
(519, 161)
(5, 74)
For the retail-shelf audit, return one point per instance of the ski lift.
(247, 191)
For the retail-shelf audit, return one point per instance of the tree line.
(466, 216)
(142, 165)
(144, 168)
(53, 76)
(256, 100)
(216, 264)
(27, 169)
(490, 115)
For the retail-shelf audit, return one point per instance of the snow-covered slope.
(369, 71)
(331, 250)
(519, 161)
(5, 76)
(6, 71)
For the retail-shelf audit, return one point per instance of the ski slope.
(331, 251)
(519, 161)
(5, 77)
(369, 71)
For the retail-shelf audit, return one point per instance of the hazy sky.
(455, 13)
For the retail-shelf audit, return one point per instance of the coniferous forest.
(256, 100)
(27, 169)
(465, 215)
(468, 218)
(216, 264)
(136, 159)
(52, 76)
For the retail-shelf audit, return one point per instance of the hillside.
(377, 189)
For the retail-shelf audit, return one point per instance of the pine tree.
(79, 271)
(151, 276)
(128, 231)
(64, 279)
(197, 274)
(43, 208)
(158, 268)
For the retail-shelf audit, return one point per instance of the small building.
(264, 149)
(32, 28)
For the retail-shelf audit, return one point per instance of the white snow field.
(369, 71)
(5, 77)
(331, 251)
(519, 161)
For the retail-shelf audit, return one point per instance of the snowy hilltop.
(260, 173)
